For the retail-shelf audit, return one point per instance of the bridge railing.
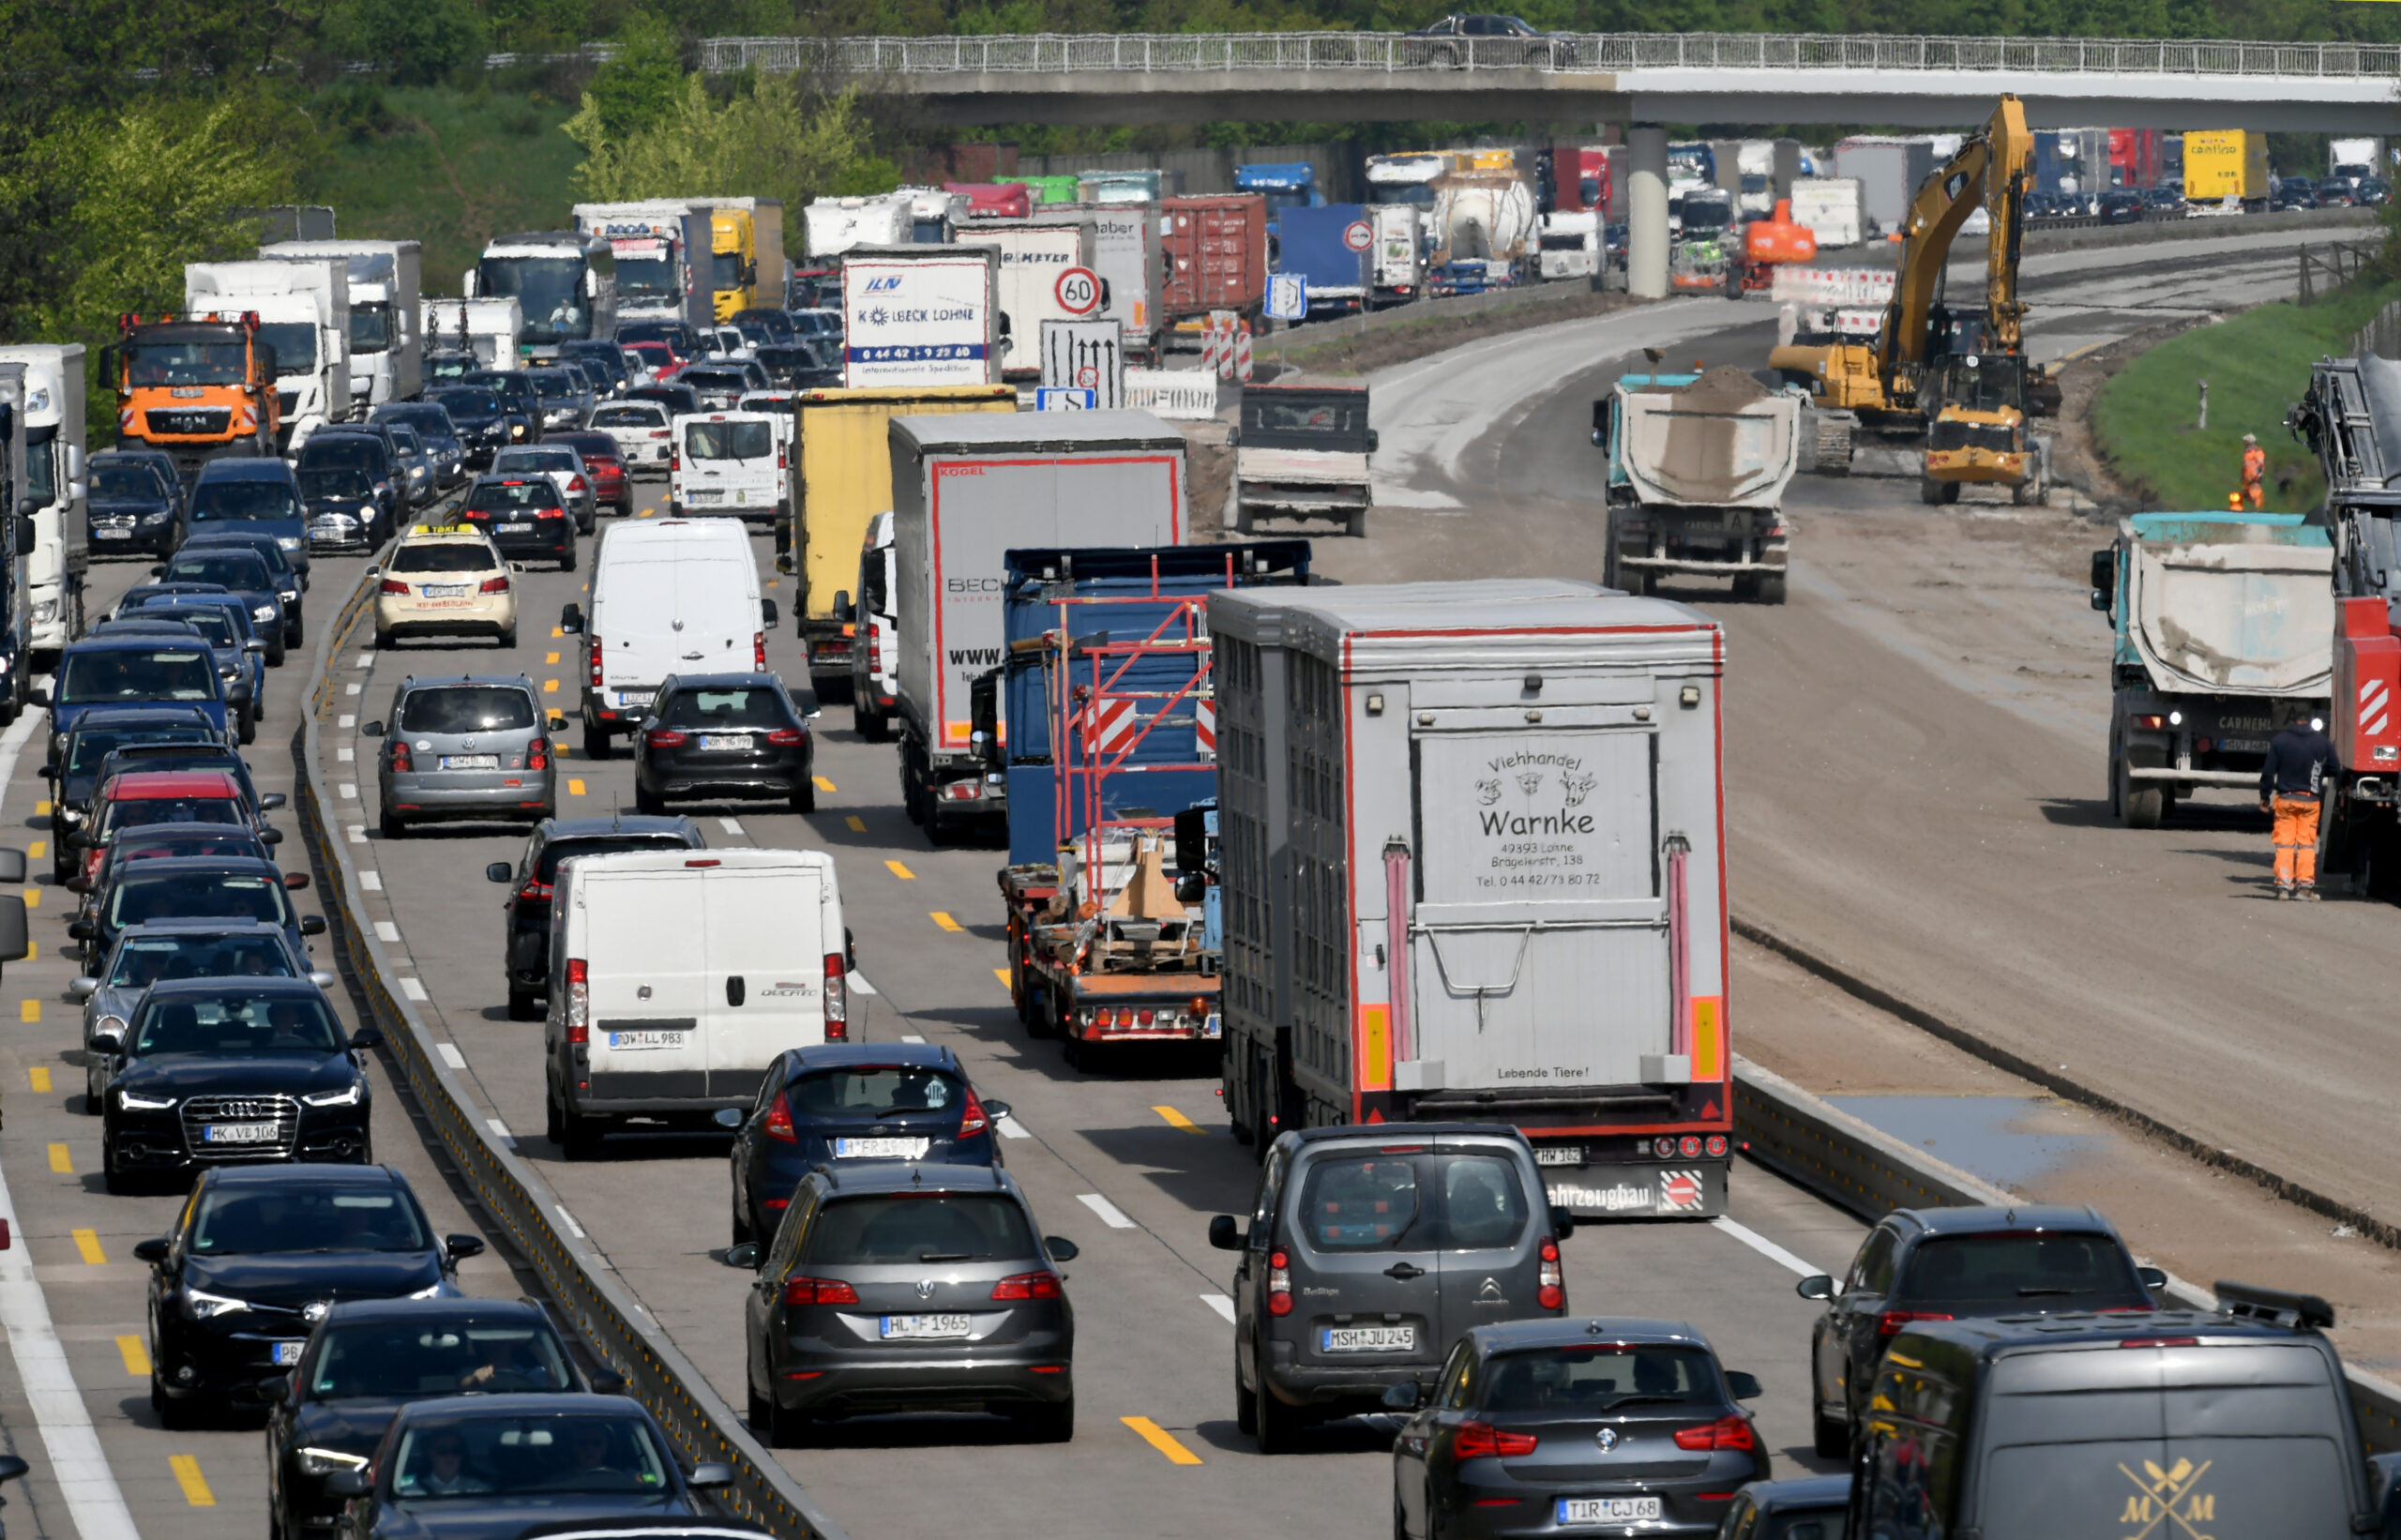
(1564, 52)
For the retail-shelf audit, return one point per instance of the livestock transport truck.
(1697, 468)
(1471, 852)
(1102, 718)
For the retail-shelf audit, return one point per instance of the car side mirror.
(996, 1109)
(710, 1473)
(312, 925)
(767, 613)
(1816, 1286)
(296, 880)
(275, 1391)
(159, 571)
(270, 837)
(108, 1045)
(347, 1484)
(1562, 1224)
(13, 865)
(1373, 441)
(727, 1117)
(607, 1382)
(270, 801)
(460, 1247)
(571, 620)
(152, 1250)
(2153, 1278)
(82, 839)
(1741, 1386)
(49, 771)
(79, 930)
(82, 989)
(323, 980)
(255, 645)
(369, 1036)
(499, 871)
(746, 1255)
(1061, 1248)
(842, 605)
(39, 695)
(1226, 1233)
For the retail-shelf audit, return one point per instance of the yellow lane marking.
(550, 686)
(551, 659)
(823, 784)
(195, 1485)
(38, 1077)
(136, 1356)
(556, 632)
(1177, 1120)
(88, 1242)
(33, 897)
(39, 848)
(893, 867)
(41, 808)
(946, 922)
(1161, 1440)
(32, 950)
(1003, 975)
(29, 1011)
(574, 787)
(858, 824)
(61, 1161)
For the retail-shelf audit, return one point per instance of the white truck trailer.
(54, 472)
(1033, 257)
(470, 334)
(303, 307)
(922, 315)
(386, 348)
(835, 225)
(1131, 265)
(1471, 841)
(967, 488)
(1401, 253)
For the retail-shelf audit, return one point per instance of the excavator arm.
(1991, 171)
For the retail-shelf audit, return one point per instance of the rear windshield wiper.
(1638, 1400)
(2034, 1288)
(945, 1255)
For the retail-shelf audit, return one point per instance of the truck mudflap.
(1681, 1189)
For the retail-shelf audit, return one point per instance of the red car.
(657, 357)
(146, 797)
(604, 465)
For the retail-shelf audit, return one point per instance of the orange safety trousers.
(2296, 841)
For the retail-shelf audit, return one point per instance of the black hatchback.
(1540, 1427)
(553, 840)
(725, 735)
(524, 516)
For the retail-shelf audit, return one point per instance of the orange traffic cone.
(2234, 502)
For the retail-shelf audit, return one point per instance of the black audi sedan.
(258, 1257)
(524, 516)
(217, 1071)
(369, 1358)
(1545, 1427)
(553, 839)
(725, 735)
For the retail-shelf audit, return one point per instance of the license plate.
(896, 1327)
(622, 1042)
(636, 697)
(2244, 745)
(1606, 1510)
(516, 529)
(112, 534)
(1558, 1154)
(288, 1353)
(446, 590)
(700, 495)
(239, 1133)
(1215, 1026)
(470, 761)
(881, 1149)
(721, 742)
(1366, 1340)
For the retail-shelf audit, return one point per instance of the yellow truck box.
(2221, 164)
(845, 461)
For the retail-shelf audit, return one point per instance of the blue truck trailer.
(1333, 248)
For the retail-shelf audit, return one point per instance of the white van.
(875, 650)
(729, 463)
(669, 595)
(677, 978)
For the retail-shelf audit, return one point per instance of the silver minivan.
(1369, 1252)
(464, 747)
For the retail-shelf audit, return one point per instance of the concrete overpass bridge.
(1727, 78)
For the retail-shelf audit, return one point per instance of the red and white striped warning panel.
(2375, 700)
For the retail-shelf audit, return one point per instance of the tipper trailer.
(1472, 867)
(1697, 468)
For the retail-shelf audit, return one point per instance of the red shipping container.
(2134, 158)
(1216, 253)
(989, 201)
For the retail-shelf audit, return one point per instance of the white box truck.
(1831, 208)
(922, 315)
(386, 344)
(835, 225)
(1470, 846)
(1401, 252)
(463, 336)
(660, 247)
(1132, 266)
(55, 480)
(1033, 257)
(677, 978)
(966, 487)
(304, 313)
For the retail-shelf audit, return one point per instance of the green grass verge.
(2257, 365)
(446, 168)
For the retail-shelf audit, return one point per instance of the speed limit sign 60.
(1077, 291)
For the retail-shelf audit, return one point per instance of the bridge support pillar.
(1787, 166)
(1646, 212)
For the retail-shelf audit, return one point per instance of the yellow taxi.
(445, 579)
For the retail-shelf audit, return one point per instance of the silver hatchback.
(464, 747)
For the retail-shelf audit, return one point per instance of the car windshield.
(186, 363)
(87, 746)
(231, 499)
(549, 291)
(443, 556)
(135, 812)
(349, 449)
(465, 709)
(162, 841)
(142, 960)
(125, 482)
(512, 496)
(126, 674)
(932, 1227)
(1306, 422)
(720, 380)
(526, 1456)
(348, 482)
(413, 1359)
(556, 385)
(789, 358)
(198, 896)
(424, 417)
(752, 439)
(1415, 1203)
(545, 865)
(737, 705)
(629, 417)
(470, 405)
(2035, 1268)
(238, 1024)
(405, 436)
(268, 1222)
(211, 623)
(1589, 1379)
(232, 569)
(872, 1092)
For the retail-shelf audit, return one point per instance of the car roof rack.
(2252, 1302)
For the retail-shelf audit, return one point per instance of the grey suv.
(1369, 1252)
(465, 747)
(895, 1287)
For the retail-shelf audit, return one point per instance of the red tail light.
(1551, 1290)
(1889, 1322)
(784, 737)
(494, 585)
(1279, 1283)
(779, 1121)
(1476, 1439)
(391, 585)
(971, 1120)
(536, 890)
(401, 760)
(838, 999)
(759, 651)
(664, 737)
(1724, 1433)
(576, 484)
(674, 459)
(579, 1001)
(538, 754)
(1028, 1286)
(819, 1292)
(593, 643)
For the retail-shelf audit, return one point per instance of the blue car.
(262, 496)
(237, 619)
(134, 505)
(224, 647)
(133, 671)
(291, 582)
(846, 1103)
(244, 573)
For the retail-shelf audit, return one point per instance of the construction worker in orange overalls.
(2300, 760)
(2254, 469)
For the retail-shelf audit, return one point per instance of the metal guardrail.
(614, 1324)
(1340, 52)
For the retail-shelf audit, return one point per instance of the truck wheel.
(1638, 581)
(2140, 806)
(1746, 586)
(596, 742)
(1771, 589)
(1929, 491)
(912, 791)
(1242, 518)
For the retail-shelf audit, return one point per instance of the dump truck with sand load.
(1697, 468)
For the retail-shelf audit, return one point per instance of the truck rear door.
(644, 943)
(1366, 1262)
(1538, 958)
(766, 987)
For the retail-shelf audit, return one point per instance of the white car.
(725, 342)
(637, 368)
(640, 428)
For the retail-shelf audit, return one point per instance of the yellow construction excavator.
(1955, 383)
